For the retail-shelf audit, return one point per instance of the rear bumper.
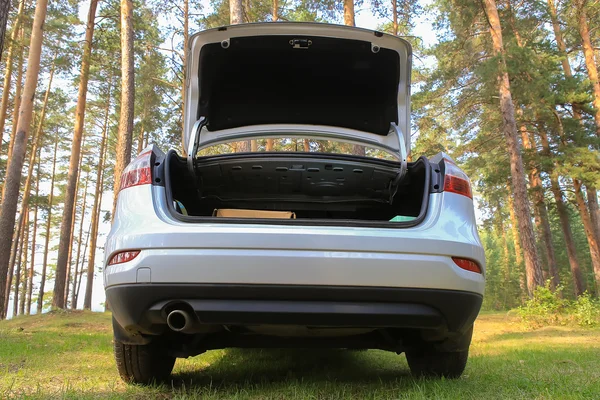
(140, 310)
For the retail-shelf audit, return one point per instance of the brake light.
(123, 257)
(467, 264)
(456, 181)
(138, 172)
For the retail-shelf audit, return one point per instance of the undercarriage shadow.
(243, 367)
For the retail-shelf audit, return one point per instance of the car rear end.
(373, 254)
(250, 272)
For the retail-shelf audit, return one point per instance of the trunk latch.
(300, 43)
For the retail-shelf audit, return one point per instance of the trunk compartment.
(320, 189)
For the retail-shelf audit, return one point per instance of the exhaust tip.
(178, 320)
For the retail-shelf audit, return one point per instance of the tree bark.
(186, 36)
(87, 301)
(395, 17)
(13, 176)
(578, 279)
(236, 12)
(60, 284)
(540, 210)
(275, 17)
(77, 258)
(8, 69)
(127, 97)
(4, 11)
(523, 214)
(22, 253)
(87, 240)
(73, 221)
(590, 62)
(27, 188)
(23, 274)
(349, 13)
(33, 238)
(16, 105)
(40, 303)
(589, 231)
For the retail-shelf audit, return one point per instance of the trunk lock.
(300, 43)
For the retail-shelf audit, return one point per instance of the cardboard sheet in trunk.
(237, 213)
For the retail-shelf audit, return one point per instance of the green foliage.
(548, 307)
(586, 310)
(544, 308)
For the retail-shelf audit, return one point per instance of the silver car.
(294, 249)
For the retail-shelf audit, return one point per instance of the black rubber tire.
(433, 363)
(142, 364)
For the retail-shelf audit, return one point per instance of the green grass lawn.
(69, 355)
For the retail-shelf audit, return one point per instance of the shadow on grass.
(565, 333)
(242, 367)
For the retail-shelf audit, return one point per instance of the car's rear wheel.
(434, 363)
(143, 364)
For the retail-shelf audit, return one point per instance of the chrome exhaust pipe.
(180, 321)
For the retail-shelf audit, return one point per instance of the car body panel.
(179, 252)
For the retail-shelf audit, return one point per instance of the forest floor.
(69, 355)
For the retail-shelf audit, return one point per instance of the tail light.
(138, 172)
(467, 264)
(455, 180)
(123, 257)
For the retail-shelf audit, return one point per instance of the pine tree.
(13, 176)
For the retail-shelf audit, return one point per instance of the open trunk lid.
(298, 79)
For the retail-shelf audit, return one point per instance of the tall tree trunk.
(349, 20)
(58, 299)
(514, 225)
(590, 62)
(87, 240)
(589, 232)
(13, 176)
(40, 303)
(73, 304)
(27, 188)
(4, 11)
(17, 103)
(87, 301)
(22, 249)
(14, 257)
(540, 210)
(349, 13)
(127, 96)
(73, 221)
(236, 12)
(275, 17)
(532, 264)
(395, 17)
(578, 279)
(23, 269)
(565, 224)
(33, 238)
(142, 132)
(8, 69)
(186, 35)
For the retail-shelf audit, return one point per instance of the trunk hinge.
(403, 163)
(194, 144)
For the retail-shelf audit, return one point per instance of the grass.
(69, 355)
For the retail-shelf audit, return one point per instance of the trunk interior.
(317, 188)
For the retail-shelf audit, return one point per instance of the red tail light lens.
(456, 181)
(467, 264)
(138, 172)
(123, 257)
